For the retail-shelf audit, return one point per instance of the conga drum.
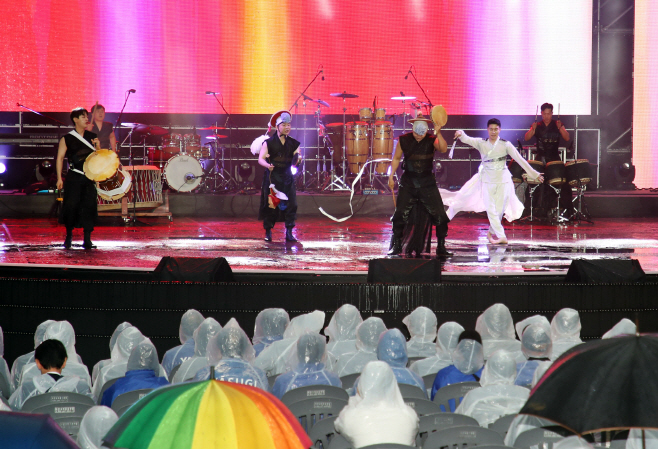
(382, 145)
(365, 114)
(517, 172)
(357, 145)
(555, 173)
(538, 166)
(380, 114)
(578, 172)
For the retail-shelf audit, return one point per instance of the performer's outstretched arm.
(440, 143)
(395, 163)
(59, 162)
(532, 173)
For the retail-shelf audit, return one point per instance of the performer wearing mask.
(104, 130)
(279, 198)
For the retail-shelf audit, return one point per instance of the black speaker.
(604, 271)
(404, 271)
(198, 269)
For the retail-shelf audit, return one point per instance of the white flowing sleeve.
(513, 152)
(472, 141)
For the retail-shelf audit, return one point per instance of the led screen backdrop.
(472, 56)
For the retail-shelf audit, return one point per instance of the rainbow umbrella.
(209, 414)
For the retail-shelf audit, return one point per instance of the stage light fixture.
(3, 168)
(293, 169)
(624, 176)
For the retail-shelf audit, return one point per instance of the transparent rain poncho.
(342, 331)
(572, 442)
(565, 332)
(94, 425)
(44, 383)
(270, 326)
(535, 319)
(446, 342)
(367, 339)
(202, 336)
(126, 342)
(377, 413)
(421, 324)
(144, 357)
(4, 368)
(497, 396)
(178, 354)
(306, 366)
(231, 354)
(20, 362)
(624, 327)
(496, 328)
(634, 440)
(274, 358)
(536, 346)
(468, 356)
(113, 340)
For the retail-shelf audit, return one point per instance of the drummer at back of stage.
(547, 133)
(79, 208)
(104, 130)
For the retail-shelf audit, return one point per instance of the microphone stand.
(422, 90)
(229, 120)
(116, 125)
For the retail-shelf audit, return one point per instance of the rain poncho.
(467, 364)
(127, 340)
(94, 425)
(496, 328)
(178, 354)
(62, 331)
(497, 396)
(446, 342)
(20, 362)
(113, 340)
(44, 383)
(231, 354)
(541, 320)
(536, 346)
(624, 327)
(307, 366)
(141, 373)
(274, 358)
(342, 331)
(4, 368)
(421, 324)
(634, 440)
(565, 332)
(270, 326)
(377, 413)
(202, 336)
(367, 339)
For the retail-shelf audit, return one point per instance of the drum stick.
(558, 111)
(536, 112)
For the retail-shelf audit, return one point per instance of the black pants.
(412, 192)
(284, 182)
(80, 205)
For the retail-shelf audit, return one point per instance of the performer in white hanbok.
(491, 189)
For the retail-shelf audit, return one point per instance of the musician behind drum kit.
(104, 130)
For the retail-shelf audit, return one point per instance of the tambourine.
(439, 116)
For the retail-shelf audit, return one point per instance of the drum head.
(183, 173)
(439, 115)
(101, 165)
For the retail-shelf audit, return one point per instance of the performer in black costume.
(547, 133)
(419, 204)
(79, 209)
(104, 130)
(278, 154)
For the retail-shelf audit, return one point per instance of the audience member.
(20, 362)
(536, 346)
(94, 426)
(467, 362)
(565, 332)
(367, 339)
(113, 340)
(178, 354)
(342, 331)
(642, 439)
(520, 326)
(377, 413)
(421, 324)
(446, 342)
(496, 329)
(623, 328)
(202, 336)
(4, 368)
(270, 326)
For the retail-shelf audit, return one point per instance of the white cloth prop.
(257, 144)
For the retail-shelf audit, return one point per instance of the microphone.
(408, 72)
(209, 92)
(132, 91)
(190, 177)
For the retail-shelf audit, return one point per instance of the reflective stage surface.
(326, 246)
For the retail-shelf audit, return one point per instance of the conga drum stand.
(556, 213)
(579, 203)
(531, 217)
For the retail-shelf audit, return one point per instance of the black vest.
(76, 151)
(281, 154)
(548, 141)
(418, 156)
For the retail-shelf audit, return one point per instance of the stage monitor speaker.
(197, 269)
(604, 271)
(404, 271)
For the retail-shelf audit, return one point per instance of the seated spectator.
(141, 373)
(446, 342)
(623, 328)
(421, 324)
(178, 354)
(4, 368)
(50, 358)
(467, 363)
(565, 332)
(231, 354)
(20, 362)
(642, 439)
(113, 340)
(274, 358)
(498, 396)
(307, 366)
(202, 335)
(270, 326)
(377, 413)
(367, 339)
(520, 326)
(126, 342)
(342, 331)
(496, 330)
(536, 347)
(94, 426)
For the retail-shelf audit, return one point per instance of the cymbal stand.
(558, 218)
(316, 180)
(579, 201)
(531, 218)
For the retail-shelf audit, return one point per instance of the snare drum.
(157, 156)
(380, 114)
(365, 114)
(578, 171)
(382, 145)
(115, 187)
(538, 166)
(517, 172)
(555, 173)
(183, 173)
(192, 143)
(357, 144)
(172, 143)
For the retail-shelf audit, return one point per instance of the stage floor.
(326, 246)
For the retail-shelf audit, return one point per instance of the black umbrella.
(24, 430)
(601, 385)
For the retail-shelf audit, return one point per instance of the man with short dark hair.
(104, 130)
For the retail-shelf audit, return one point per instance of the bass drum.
(183, 173)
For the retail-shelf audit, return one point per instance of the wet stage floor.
(326, 246)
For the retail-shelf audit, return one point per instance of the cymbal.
(322, 103)
(130, 125)
(216, 136)
(150, 130)
(403, 98)
(212, 127)
(344, 95)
